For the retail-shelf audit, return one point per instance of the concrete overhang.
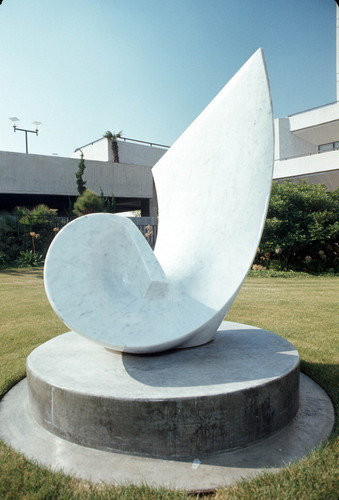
(317, 126)
(320, 134)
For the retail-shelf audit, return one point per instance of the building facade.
(307, 146)
(307, 143)
(28, 179)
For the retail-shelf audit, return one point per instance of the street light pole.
(27, 131)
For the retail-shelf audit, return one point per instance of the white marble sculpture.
(213, 186)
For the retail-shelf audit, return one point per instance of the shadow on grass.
(20, 271)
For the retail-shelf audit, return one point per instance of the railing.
(306, 154)
(25, 239)
(148, 227)
(24, 223)
(126, 139)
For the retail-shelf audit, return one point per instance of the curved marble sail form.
(213, 187)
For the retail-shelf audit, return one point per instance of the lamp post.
(27, 131)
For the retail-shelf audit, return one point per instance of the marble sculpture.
(213, 185)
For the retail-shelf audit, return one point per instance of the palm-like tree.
(114, 143)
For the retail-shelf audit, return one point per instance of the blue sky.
(148, 67)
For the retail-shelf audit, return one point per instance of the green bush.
(29, 258)
(88, 203)
(302, 229)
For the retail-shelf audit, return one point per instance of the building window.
(331, 146)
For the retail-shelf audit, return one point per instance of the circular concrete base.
(240, 388)
(312, 424)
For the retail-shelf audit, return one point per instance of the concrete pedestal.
(229, 408)
(240, 388)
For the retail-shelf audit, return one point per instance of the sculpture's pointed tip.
(257, 60)
(258, 55)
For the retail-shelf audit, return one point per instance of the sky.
(149, 67)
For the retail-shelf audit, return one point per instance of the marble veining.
(213, 185)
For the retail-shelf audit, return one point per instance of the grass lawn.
(303, 310)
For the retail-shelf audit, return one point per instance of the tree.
(114, 143)
(79, 175)
(302, 228)
(88, 203)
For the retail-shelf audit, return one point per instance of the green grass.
(304, 311)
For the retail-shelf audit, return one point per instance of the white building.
(307, 143)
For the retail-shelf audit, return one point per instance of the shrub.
(302, 229)
(29, 258)
(27, 230)
(88, 203)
